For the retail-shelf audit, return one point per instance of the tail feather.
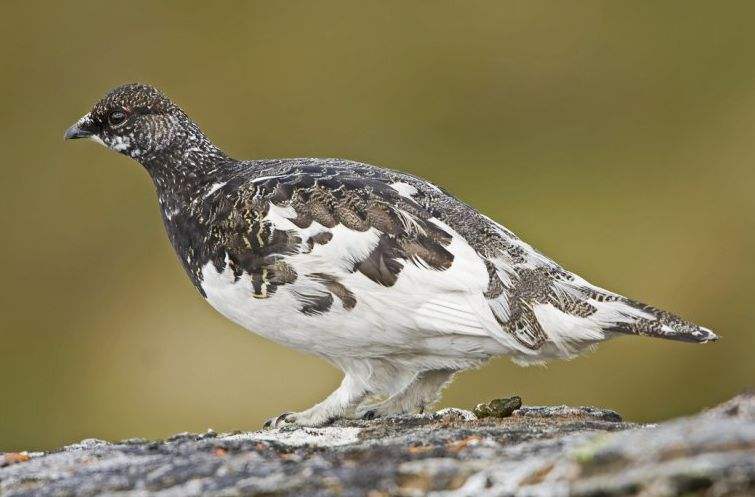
(653, 322)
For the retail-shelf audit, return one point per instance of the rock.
(454, 413)
(536, 451)
(498, 408)
(13, 458)
(551, 411)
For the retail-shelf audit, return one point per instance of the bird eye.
(116, 118)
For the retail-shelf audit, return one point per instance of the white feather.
(404, 189)
(215, 187)
(566, 330)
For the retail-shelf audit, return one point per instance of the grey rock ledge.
(538, 451)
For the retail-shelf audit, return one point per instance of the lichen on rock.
(536, 451)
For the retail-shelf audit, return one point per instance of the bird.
(387, 276)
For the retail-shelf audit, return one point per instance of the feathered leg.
(347, 396)
(420, 393)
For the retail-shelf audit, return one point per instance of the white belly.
(403, 318)
(278, 317)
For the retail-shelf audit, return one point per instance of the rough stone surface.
(538, 451)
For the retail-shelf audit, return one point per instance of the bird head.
(135, 120)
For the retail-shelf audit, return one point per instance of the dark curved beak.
(82, 129)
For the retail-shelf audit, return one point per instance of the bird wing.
(342, 234)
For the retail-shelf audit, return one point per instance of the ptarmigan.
(385, 275)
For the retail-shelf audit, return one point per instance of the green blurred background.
(617, 137)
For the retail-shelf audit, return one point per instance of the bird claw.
(280, 420)
(292, 420)
(371, 414)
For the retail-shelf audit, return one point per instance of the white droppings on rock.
(454, 412)
(329, 436)
(85, 444)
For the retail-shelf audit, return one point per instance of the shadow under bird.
(383, 274)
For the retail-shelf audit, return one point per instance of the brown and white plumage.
(385, 275)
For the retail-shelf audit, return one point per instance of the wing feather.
(389, 240)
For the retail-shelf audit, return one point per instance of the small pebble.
(498, 408)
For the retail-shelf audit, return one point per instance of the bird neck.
(186, 172)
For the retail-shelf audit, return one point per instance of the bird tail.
(642, 319)
(580, 315)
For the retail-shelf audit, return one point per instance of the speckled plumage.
(384, 274)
